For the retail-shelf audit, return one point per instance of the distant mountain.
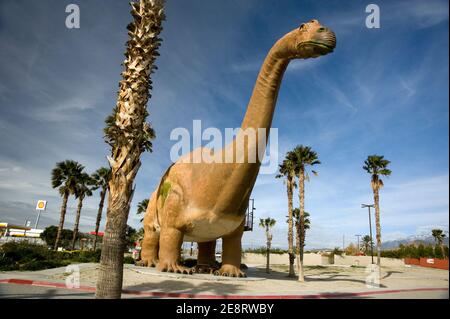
(418, 239)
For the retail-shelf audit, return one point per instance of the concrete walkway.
(321, 282)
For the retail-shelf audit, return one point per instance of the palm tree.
(140, 233)
(376, 165)
(101, 179)
(267, 224)
(304, 156)
(367, 242)
(439, 236)
(64, 177)
(287, 170)
(142, 207)
(307, 225)
(129, 136)
(83, 189)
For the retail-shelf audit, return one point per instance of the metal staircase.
(249, 215)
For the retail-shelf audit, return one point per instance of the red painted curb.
(205, 296)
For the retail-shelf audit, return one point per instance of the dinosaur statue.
(202, 202)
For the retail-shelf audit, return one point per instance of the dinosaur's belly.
(210, 227)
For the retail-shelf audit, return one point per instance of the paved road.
(14, 291)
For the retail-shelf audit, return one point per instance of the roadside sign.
(41, 205)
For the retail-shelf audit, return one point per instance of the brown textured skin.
(208, 201)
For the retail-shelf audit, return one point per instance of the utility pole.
(370, 227)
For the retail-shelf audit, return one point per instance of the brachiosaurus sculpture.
(202, 202)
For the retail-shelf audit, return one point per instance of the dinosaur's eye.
(302, 26)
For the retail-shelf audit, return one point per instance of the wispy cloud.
(382, 91)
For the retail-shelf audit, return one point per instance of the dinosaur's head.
(309, 40)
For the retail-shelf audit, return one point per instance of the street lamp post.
(370, 227)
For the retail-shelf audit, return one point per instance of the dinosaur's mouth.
(314, 49)
(323, 43)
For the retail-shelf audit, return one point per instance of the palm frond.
(142, 206)
(65, 175)
(376, 165)
(83, 186)
(127, 124)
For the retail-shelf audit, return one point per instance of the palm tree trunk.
(109, 283)
(61, 219)
(376, 199)
(128, 138)
(297, 250)
(268, 257)
(77, 221)
(290, 228)
(302, 245)
(99, 216)
(301, 276)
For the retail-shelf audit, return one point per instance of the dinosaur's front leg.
(150, 243)
(169, 251)
(231, 258)
(206, 261)
(149, 250)
(170, 235)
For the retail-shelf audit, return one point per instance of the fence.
(366, 260)
(283, 259)
(7, 239)
(428, 262)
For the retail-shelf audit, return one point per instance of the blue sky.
(382, 91)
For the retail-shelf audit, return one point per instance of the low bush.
(87, 256)
(416, 251)
(32, 265)
(263, 251)
(29, 256)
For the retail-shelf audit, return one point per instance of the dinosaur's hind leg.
(231, 255)
(150, 243)
(206, 261)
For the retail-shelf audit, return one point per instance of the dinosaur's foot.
(174, 267)
(150, 262)
(205, 269)
(230, 271)
(141, 263)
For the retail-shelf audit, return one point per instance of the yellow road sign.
(41, 205)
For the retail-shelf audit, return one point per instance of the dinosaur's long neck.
(241, 176)
(264, 97)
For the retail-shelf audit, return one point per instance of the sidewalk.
(323, 282)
